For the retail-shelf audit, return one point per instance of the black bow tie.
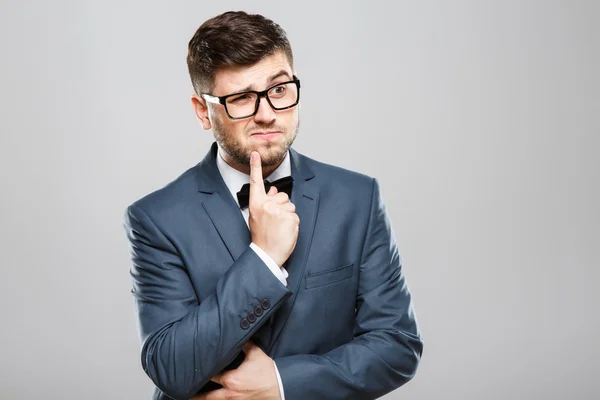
(282, 185)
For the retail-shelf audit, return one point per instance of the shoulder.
(168, 197)
(355, 186)
(335, 172)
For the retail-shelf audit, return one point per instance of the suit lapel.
(225, 215)
(306, 198)
(221, 208)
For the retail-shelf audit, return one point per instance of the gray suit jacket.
(343, 328)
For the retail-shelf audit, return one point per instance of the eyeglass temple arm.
(212, 99)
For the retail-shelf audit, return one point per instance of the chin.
(272, 155)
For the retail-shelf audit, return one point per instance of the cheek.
(242, 128)
(293, 121)
(233, 129)
(290, 118)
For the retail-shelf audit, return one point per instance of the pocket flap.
(329, 276)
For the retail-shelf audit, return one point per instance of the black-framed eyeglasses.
(245, 104)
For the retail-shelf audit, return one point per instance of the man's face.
(269, 132)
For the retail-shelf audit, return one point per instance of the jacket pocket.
(329, 276)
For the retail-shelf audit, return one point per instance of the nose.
(265, 113)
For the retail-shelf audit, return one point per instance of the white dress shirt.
(234, 180)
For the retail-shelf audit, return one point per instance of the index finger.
(257, 186)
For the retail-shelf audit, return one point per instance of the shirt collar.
(235, 179)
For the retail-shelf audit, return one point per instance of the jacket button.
(244, 324)
(258, 310)
(265, 304)
(251, 317)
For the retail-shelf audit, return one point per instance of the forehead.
(254, 77)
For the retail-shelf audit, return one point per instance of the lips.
(266, 135)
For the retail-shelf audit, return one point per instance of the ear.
(201, 111)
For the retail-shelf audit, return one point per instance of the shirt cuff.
(281, 394)
(280, 273)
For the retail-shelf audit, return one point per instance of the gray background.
(480, 119)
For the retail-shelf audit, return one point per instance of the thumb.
(248, 347)
(218, 378)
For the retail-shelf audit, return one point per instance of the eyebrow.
(271, 79)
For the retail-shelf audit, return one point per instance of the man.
(247, 283)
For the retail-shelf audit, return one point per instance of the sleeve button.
(251, 317)
(244, 324)
(258, 310)
(265, 304)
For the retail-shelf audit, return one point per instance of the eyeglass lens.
(245, 104)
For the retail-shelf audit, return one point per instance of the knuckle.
(281, 197)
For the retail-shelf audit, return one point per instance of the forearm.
(186, 341)
(366, 368)
(183, 355)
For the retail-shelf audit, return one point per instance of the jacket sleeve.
(186, 342)
(386, 348)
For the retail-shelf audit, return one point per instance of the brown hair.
(232, 39)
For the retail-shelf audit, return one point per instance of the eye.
(241, 98)
(278, 91)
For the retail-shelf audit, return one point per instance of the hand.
(254, 379)
(273, 221)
